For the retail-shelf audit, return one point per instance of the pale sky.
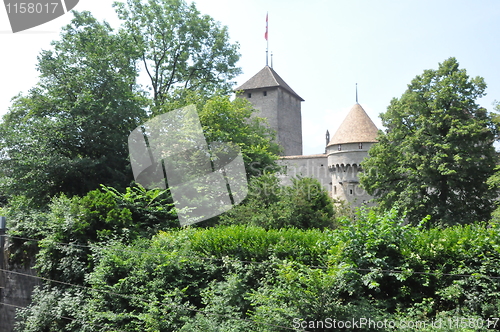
(321, 49)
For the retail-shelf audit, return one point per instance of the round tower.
(346, 151)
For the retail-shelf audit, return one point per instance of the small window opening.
(335, 190)
(340, 147)
(350, 191)
(265, 93)
(249, 95)
(360, 145)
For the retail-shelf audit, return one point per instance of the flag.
(265, 35)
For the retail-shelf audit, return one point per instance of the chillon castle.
(338, 167)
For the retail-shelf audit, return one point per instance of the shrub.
(305, 204)
(240, 277)
(100, 216)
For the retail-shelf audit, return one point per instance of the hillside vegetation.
(113, 275)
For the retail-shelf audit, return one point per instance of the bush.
(305, 204)
(436, 270)
(100, 216)
(248, 278)
(24, 221)
(296, 294)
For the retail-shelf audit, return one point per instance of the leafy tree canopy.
(179, 48)
(225, 120)
(494, 180)
(69, 133)
(437, 151)
(304, 204)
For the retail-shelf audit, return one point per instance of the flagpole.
(267, 40)
(267, 51)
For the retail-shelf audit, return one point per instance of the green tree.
(494, 180)
(179, 48)
(69, 133)
(437, 150)
(304, 204)
(225, 120)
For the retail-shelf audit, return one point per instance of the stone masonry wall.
(314, 166)
(15, 290)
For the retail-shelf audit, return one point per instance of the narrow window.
(265, 93)
(360, 145)
(249, 95)
(335, 190)
(350, 191)
(340, 147)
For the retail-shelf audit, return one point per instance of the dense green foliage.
(99, 217)
(223, 120)
(69, 133)
(494, 180)
(437, 150)
(305, 204)
(237, 278)
(179, 48)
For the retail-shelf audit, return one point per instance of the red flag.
(265, 35)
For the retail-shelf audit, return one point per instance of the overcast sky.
(321, 49)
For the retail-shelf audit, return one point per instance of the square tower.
(279, 104)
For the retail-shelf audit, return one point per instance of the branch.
(174, 65)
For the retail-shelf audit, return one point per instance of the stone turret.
(279, 104)
(346, 151)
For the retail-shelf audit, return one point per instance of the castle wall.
(348, 154)
(289, 123)
(282, 111)
(314, 166)
(346, 186)
(265, 101)
(15, 289)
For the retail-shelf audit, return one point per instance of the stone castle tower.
(338, 167)
(279, 104)
(346, 151)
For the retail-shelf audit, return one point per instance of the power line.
(178, 307)
(218, 259)
(475, 275)
(64, 317)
